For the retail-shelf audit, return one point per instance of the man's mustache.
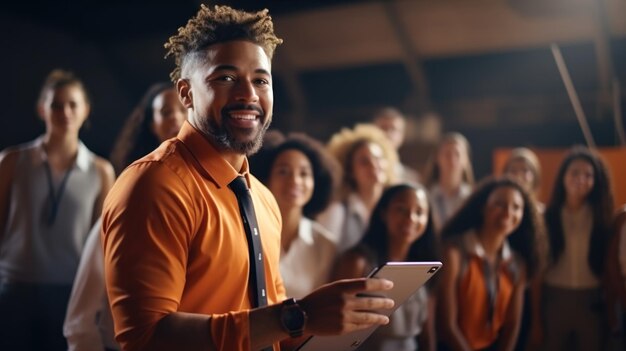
(243, 107)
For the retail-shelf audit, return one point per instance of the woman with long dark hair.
(400, 229)
(578, 220)
(491, 249)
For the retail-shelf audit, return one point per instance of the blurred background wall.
(483, 67)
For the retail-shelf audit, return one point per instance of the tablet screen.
(407, 278)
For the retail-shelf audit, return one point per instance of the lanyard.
(492, 280)
(55, 198)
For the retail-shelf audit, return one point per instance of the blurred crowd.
(517, 273)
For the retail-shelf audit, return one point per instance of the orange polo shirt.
(174, 240)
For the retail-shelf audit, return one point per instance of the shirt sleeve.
(147, 224)
(87, 299)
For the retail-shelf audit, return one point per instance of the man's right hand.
(335, 308)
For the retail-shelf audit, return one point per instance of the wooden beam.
(605, 67)
(411, 58)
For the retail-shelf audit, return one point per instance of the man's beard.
(224, 139)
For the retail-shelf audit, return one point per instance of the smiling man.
(177, 257)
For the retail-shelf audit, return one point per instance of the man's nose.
(245, 91)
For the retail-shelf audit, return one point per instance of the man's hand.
(335, 308)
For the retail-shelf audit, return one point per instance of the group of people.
(176, 259)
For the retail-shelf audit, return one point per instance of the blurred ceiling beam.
(605, 68)
(419, 98)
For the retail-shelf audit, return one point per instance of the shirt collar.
(83, 155)
(474, 246)
(82, 158)
(209, 158)
(305, 230)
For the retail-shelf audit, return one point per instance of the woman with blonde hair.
(450, 176)
(523, 165)
(368, 161)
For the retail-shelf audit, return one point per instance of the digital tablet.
(407, 278)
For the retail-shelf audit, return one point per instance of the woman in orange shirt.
(490, 251)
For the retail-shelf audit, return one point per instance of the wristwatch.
(292, 318)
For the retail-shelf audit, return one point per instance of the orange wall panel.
(550, 159)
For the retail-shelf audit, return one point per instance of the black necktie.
(257, 274)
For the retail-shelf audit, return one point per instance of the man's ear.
(41, 111)
(183, 87)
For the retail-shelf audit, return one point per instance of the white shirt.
(309, 260)
(572, 271)
(445, 206)
(346, 221)
(88, 323)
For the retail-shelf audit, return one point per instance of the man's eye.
(225, 79)
(261, 82)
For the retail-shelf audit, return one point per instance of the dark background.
(500, 87)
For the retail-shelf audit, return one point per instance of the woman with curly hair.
(303, 177)
(368, 161)
(491, 249)
(578, 219)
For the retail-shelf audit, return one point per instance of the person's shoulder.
(14, 150)
(320, 231)
(165, 161)
(10, 155)
(104, 167)
(168, 151)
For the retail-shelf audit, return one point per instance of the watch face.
(293, 318)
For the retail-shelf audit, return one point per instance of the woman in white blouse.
(578, 220)
(368, 161)
(302, 176)
(449, 177)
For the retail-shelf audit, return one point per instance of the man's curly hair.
(218, 25)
